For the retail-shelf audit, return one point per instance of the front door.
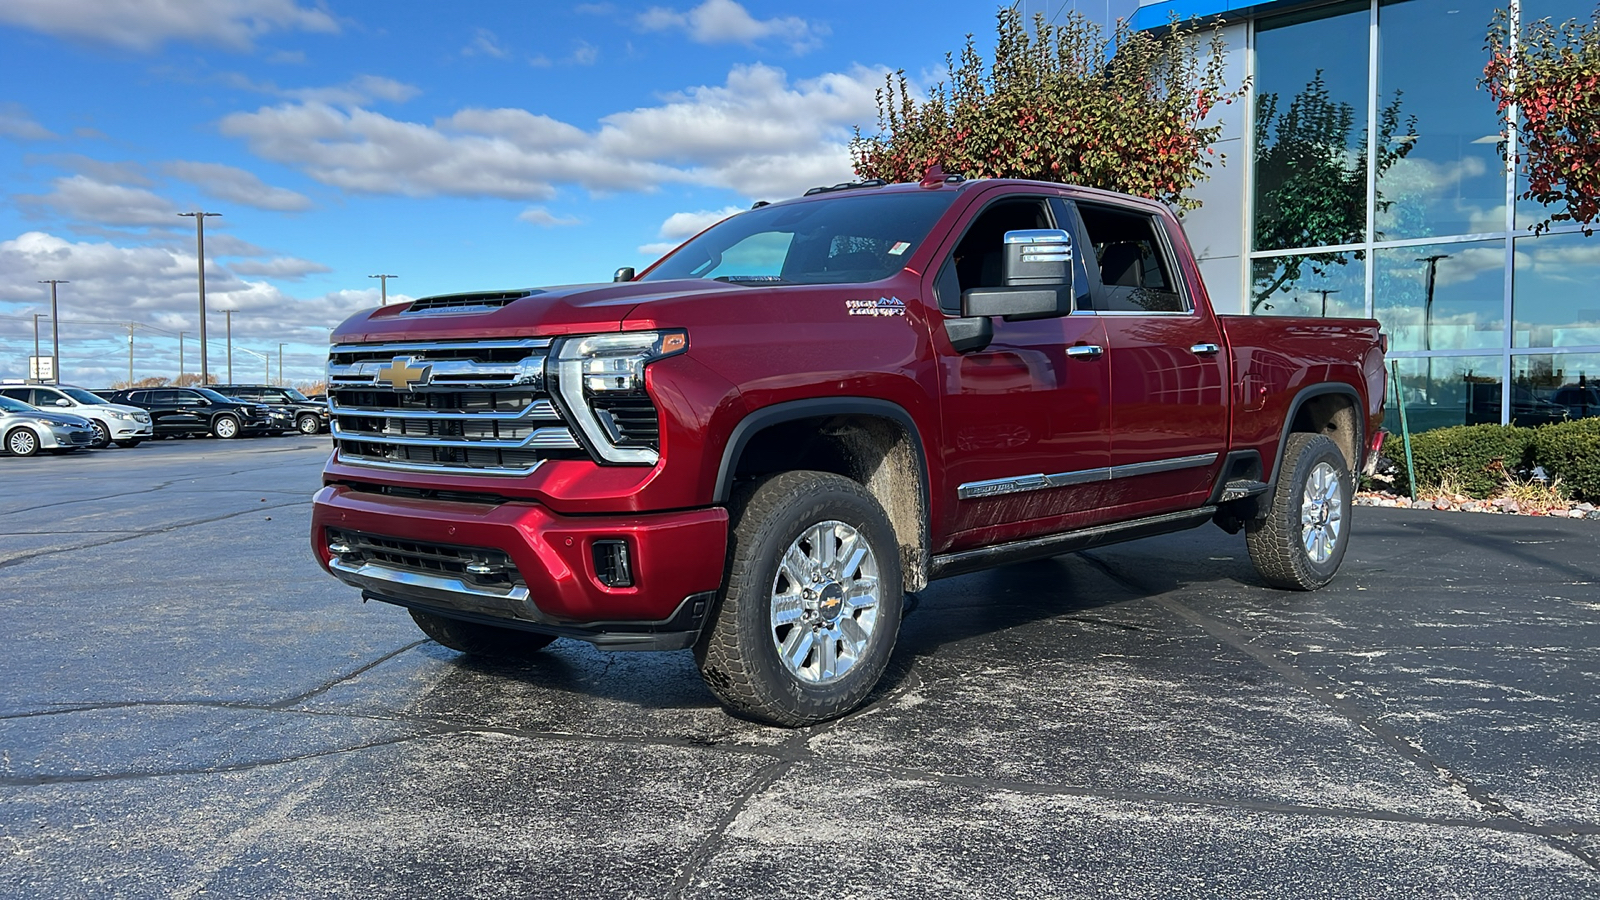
(1026, 418)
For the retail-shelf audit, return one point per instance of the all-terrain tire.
(778, 647)
(477, 639)
(1302, 540)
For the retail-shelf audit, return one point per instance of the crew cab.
(178, 412)
(756, 447)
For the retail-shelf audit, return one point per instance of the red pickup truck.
(759, 445)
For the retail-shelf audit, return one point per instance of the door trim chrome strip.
(1017, 484)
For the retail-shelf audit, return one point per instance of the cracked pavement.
(189, 706)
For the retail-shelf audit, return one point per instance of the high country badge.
(883, 306)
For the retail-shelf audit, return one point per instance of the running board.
(946, 565)
(1238, 490)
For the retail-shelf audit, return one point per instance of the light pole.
(383, 288)
(1427, 310)
(280, 365)
(229, 314)
(1325, 292)
(36, 318)
(55, 331)
(131, 327)
(200, 254)
(180, 356)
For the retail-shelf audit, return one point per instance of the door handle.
(1204, 349)
(1085, 351)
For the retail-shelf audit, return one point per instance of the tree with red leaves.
(1552, 75)
(1056, 106)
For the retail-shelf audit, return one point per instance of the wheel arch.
(871, 441)
(1333, 409)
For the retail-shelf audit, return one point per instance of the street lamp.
(180, 356)
(55, 331)
(1427, 307)
(200, 254)
(383, 288)
(1325, 292)
(36, 318)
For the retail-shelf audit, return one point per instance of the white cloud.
(356, 91)
(756, 134)
(16, 123)
(286, 267)
(145, 25)
(683, 225)
(237, 186)
(724, 21)
(585, 54)
(92, 201)
(659, 249)
(538, 215)
(485, 43)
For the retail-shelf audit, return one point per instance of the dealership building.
(1420, 228)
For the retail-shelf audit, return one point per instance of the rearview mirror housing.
(1037, 273)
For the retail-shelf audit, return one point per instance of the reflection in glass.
(1561, 385)
(1442, 391)
(1441, 296)
(1318, 285)
(1554, 299)
(1449, 179)
(1311, 116)
(1557, 11)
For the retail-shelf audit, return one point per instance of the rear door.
(1169, 374)
(1026, 418)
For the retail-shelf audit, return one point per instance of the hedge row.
(1478, 458)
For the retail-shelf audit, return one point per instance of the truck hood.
(567, 309)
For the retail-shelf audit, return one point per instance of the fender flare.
(778, 413)
(1311, 393)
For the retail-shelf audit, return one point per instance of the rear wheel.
(102, 436)
(22, 442)
(308, 424)
(225, 427)
(805, 625)
(477, 639)
(1302, 540)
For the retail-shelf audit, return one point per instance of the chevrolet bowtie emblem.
(401, 374)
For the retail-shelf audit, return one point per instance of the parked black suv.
(309, 416)
(175, 411)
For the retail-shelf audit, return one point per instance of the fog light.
(612, 564)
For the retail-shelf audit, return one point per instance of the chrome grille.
(477, 407)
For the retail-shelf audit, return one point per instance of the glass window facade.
(1411, 227)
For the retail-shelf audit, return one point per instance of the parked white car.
(125, 426)
(25, 430)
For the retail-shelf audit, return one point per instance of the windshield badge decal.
(883, 306)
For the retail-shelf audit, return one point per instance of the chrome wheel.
(1321, 513)
(825, 602)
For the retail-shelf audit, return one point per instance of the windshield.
(10, 405)
(213, 396)
(83, 396)
(837, 240)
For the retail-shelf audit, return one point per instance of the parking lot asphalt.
(189, 706)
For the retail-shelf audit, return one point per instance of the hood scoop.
(456, 304)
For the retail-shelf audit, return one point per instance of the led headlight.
(600, 381)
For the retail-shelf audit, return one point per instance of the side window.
(1136, 274)
(979, 260)
(15, 394)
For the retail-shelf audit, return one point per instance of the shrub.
(1475, 457)
(1570, 451)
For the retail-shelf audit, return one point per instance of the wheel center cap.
(830, 602)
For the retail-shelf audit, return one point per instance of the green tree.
(1311, 182)
(1055, 105)
(1552, 75)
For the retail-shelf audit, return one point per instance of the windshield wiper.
(751, 279)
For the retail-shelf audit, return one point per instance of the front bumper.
(409, 552)
(124, 430)
(57, 437)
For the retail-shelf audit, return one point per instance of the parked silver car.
(25, 430)
(125, 426)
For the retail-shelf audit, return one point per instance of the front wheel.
(308, 424)
(22, 442)
(477, 639)
(225, 427)
(102, 436)
(1301, 542)
(804, 627)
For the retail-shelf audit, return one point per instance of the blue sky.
(459, 146)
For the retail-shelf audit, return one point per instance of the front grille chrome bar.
(541, 438)
(537, 411)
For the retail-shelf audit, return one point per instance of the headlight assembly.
(600, 382)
